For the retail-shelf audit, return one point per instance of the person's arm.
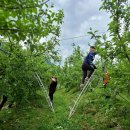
(49, 87)
(91, 58)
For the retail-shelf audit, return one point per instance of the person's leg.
(84, 76)
(51, 96)
(91, 70)
(90, 73)
(84, 69)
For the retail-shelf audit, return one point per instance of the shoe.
(81, 86)
(86, 79)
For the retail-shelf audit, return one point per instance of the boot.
(86, 79)
(81, 86)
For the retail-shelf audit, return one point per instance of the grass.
(42, 118)
(94, 112)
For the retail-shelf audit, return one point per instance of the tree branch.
(118, 33)
(9, 29)
(20, 6)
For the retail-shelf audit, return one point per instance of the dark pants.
(87, 71)
(51, 95)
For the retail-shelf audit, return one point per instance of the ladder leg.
(45, 91)
(78, 98)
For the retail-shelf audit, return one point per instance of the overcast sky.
(80, 15)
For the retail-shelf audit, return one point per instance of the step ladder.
(44, 91)
(76, 102)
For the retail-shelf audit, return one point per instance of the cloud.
(79, 17)
(96, 18)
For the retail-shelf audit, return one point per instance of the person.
(106, 79)
(52, 87)
(106, 76)
(88, 67)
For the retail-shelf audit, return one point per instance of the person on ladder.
(88, 66)
(52, 87)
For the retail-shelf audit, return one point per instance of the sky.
(80, 15)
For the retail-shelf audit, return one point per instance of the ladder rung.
(79, 96)
(44, 90)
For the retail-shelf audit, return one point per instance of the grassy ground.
(93, 113)
(40, 117)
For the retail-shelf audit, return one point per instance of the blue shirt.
(89, 58)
